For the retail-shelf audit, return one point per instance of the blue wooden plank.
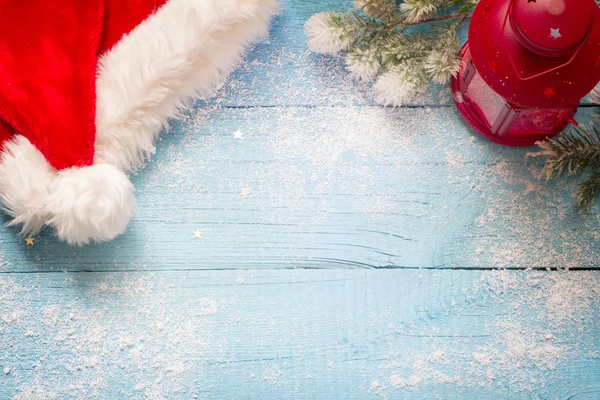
(335, 188)
(300, 334)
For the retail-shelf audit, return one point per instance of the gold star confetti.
(29, 241)
(245, 192)
(198, 234)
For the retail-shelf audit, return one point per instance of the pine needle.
(572, 152)
(588, 192)
(575, 152)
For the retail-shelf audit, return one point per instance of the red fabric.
(6, 132)
(49, 52)
(121, 16)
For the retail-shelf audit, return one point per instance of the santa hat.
(85, 88)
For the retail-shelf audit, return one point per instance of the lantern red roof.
(537, 53)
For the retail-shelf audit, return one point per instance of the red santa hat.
(85, 88)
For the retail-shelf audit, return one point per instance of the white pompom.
(25, 177)
(90, 204)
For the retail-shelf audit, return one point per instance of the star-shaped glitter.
(29, 241)
(549, 92)
(245, 192)
(238, 134)
(555, 33)
(198, 234)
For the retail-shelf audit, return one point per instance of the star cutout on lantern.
(198, 234)
(29, 241)
(238, 134)
(245, 192)
(555, 33)
(549, 92)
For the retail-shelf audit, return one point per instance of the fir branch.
(397, 49)
(377, 41)
(588, 192)
(572, 152)
(461, 16)
(418, 10)
(364, 63)
(384, 10)
(575, 152)
(402, 82)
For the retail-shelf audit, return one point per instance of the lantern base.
(471, 115)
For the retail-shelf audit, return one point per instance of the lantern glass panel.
(488, 102)
(530, 121)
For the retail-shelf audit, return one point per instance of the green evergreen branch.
(378, 44)
(575, 152)
(462, 16)
(588, 192)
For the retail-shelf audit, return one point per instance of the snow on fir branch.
(576, 152)
(378, 43)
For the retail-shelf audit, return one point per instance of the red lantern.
(526, 66)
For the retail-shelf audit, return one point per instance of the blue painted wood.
(346, 334)
(336, 185)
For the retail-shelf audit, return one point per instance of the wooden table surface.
(381, 253)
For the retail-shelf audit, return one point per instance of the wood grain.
(334, 188)
(362, 265)
(299, 335)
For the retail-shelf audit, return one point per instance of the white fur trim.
(25, 178)
(90, 204)
(184, 50)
